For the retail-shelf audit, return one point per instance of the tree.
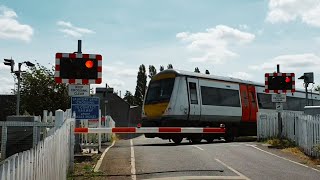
(129, 98)
(196, 70)
(207, 72)
(39, 91)
(161, 68)
(169, 66)
(152, 71)
(141, 85)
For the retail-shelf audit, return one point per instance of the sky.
(243, 39)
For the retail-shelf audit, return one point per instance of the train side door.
(194, 99)
(253, 103)
(245, 103)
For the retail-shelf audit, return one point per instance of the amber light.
(89, 64)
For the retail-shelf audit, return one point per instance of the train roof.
(209, 76)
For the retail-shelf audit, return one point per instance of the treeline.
(137, 98)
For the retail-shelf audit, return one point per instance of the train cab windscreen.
(159, 91)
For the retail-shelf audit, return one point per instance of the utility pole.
(18, 74)
(10, 62)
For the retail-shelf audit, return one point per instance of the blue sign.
(85, 107)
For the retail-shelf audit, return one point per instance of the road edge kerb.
(97, 166)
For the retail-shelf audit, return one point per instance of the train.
(176, 98)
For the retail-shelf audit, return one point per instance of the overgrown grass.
(84, 169)
(316, 148)
(288, 146)
(280, 143)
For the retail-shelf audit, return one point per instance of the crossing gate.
(143, 130)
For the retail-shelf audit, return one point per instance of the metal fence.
(24, 135)
(49, 159)
(302, 129)
(93, 142)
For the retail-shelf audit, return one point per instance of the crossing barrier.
(144, 130)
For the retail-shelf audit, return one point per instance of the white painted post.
(72, 143)
(4, 141)
(58, 118)
(45, 116)
(99, 135)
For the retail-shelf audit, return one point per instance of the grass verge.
(280, 143)
(83, 168)
(288, 146)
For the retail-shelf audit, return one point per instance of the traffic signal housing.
(9, 62)
(279, 82)
(78, 68)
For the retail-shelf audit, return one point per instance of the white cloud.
(116, 83)
(11, 28)
(7, 82)
(72, 30)
(243, 26)
(308, 11)
(213, 45)
(119, 71)
(260, 31)
(241, 75)
(292, 62)
(2, 66)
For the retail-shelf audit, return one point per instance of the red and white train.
(186, 99)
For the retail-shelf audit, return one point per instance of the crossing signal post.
(279, 83)
(77, 68)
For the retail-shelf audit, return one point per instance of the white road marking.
(97, 167)
(199, 177)
(198, 147)
(133, 163)
(235, 171)
(254, 146)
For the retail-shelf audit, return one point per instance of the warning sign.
(79, 90)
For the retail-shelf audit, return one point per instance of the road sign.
(279, 98)
(79, 90)
(279, 107)
(85, 107)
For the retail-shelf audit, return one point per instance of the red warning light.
(89, 64)
(288, 80)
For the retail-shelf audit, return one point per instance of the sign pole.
(77, 147)
(279, 113)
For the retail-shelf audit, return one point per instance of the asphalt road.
(142, 158)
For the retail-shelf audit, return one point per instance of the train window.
(264, 101)
(159, 91)
(193, 93)
(220, 97)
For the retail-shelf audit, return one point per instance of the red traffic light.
(89, 64)
(288, 80)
